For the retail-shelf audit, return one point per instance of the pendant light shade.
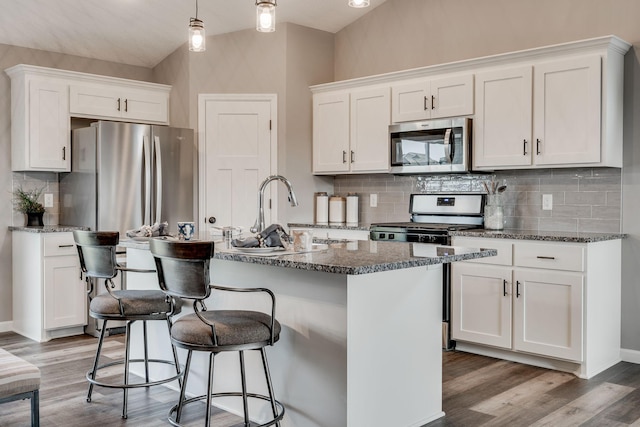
(197, 39)
(266, 16)
(359, 3)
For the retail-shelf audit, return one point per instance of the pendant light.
(197, 40)
(266, 16)
(359, 3)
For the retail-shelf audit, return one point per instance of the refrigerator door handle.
(158, 154)
(146, 208)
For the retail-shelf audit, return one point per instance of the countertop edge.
(540, 235)
(46, 228)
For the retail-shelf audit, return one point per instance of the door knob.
(211, 220)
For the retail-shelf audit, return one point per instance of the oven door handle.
(449, 145)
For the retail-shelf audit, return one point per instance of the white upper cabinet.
(43, 100)
(119, 102)
(350, 131)
(432, 98)
(40, 126)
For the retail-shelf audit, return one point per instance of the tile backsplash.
(584, 199)
(48, 181)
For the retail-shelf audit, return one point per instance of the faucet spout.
(259, 225)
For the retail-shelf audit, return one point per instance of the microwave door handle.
(452, 143)
(448, 147)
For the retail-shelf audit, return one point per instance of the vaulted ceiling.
(143, 32)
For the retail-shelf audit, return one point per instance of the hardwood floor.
(478, 391)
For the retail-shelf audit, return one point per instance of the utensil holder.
(494, 212)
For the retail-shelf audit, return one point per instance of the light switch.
(48, 200)
(547, 202)
(373, 200)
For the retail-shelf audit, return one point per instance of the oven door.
(430, 146)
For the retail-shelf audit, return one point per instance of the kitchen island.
(360, 344)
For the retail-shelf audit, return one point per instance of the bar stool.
(97, 252)
(183, 272)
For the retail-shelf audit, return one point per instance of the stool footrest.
(275, 420)
(134, 385)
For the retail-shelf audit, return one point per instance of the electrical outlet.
(48, 200)
(547, 202)
(373, 200)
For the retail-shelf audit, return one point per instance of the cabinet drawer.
(58, 244)
(549, 256)
(503, 247)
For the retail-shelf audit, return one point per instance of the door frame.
(272, 98)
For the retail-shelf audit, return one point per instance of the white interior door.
(237, 144)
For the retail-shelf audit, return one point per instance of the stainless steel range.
(432, 217)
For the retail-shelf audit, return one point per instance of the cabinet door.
(65, 299)
(502, 125)
(49, 126)
(95, 101)
(331, 132)
(567, 102)
(452, 96)
(410, 101)
(548, 313)
(370, 119)
(147, 106)
(481, 304)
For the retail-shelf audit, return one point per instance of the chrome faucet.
(259, 225)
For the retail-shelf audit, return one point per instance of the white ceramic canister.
(352, 208)
(337, 209)
(322, 208)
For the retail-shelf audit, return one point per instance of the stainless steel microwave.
(431, 146)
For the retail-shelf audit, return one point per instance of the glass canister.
(494, 212)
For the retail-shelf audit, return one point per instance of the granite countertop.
(334, 226)
(353, 257)
(46, 228)
(545, 236)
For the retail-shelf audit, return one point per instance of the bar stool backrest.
(97, 252)
(183, 267)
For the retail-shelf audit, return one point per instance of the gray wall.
(10, 56)
(402, 34)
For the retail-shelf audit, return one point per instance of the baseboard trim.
(6, 326)
(632, 356)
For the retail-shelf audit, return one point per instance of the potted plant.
(26, 201)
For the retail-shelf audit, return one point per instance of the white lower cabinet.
(49, 298)
(549, 304)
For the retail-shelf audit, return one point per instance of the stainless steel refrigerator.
(125, 175)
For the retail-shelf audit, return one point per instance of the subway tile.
(614, 198)
(601, 183)
(598, 226)
(558, 224)
(606, 212)
(532, 211)
(562, 183)
(571, 211)
(585, 197)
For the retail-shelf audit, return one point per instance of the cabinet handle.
(344, 156)
(65, 246)
(545, 257)
(537, 146)
(517, 289)
(64, 153)
(126, 101)
(353, 156)
(433, 99)
(524, 147)
(118, 104)
(426, 107)
(504, 287)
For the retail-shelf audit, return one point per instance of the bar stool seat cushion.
(16, 375)
(134, 302)
(233, 327)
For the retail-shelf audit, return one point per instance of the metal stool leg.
(183, 389)
(269, 385)
(35, 409)
(245, 400)
(209, 389)
(175, 353)
(127, 356)
(95, 361)
(146, 351)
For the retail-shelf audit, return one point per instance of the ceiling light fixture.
(197, 40)
(266, 16)
(359, 3)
